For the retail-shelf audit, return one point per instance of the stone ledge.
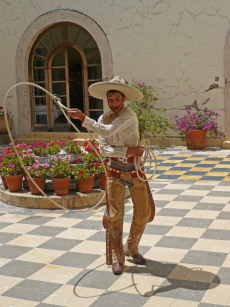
(73, 200)
(226, 145)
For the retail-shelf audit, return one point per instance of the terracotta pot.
(3, 124)
(61, 185)
(102, 181)
(86, 186)
(4, 182)
(41, 182)
(14, 183)
(196, 139)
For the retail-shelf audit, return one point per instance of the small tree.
(151, 122)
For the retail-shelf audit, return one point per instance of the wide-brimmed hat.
(100, 89)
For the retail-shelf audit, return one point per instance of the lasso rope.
(138, 163)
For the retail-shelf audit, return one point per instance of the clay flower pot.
(61, 185)
(14, 183)
(41, 182)
(86, 186)
(4, 182)
(196, 139)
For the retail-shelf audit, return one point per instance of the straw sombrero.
(99, 89)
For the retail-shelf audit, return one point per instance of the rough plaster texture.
(179, 46)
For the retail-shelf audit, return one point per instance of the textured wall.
(177, 46)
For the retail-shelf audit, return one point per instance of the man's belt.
(129, 160)
(114, 172)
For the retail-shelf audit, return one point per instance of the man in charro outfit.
(119, 141)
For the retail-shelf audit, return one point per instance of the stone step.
(47, 137)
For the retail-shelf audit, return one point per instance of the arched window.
(65, 60)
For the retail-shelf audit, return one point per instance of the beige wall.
(176, 45)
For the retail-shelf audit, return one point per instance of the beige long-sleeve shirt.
(116, 137)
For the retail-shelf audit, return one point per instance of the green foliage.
(61, 167)
(151, 122)
(83, 171)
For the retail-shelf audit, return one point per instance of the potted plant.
(12, 171)
(41, 151)
(39, 172)
(72, 148)
(194, 126)
(2, 120)
(101, 170)
(61, 174)
(151, 121)
(85, 175)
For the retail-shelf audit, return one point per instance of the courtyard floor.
(57, 258)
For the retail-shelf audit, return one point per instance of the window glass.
(57, 34)
(94, 72)
(47, 40)
(59, 59)
(38, 61)
(59, 88)
(39, 75)
(94, 58)
(40, 102)
(82, 38)
(58, 74)
(41, 50)
(72, 34)
(95, 103)
(90, 47)
(38, 92)
(95, 114)
(40, 118)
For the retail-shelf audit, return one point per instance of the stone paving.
(57, 258)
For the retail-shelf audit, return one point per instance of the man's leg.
(141, 215)
(116, 193)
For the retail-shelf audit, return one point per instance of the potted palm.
(194, 126)
(61, 174)
(39, 172)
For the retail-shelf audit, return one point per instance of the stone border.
(73, 200)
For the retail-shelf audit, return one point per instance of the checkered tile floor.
(57, 258)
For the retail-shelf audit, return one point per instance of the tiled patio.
(57, 258)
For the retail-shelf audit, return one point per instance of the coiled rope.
(139, 163)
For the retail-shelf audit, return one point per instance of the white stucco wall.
(175, 45)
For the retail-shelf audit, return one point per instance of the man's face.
(115, 101)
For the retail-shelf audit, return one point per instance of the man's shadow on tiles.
(183, 277)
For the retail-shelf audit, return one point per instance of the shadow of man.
(178, 276)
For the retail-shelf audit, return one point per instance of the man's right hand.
(135, 151)
(77, 114)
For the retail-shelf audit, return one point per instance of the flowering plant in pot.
(61, 174)
(39, 149)
(12, 171)
(198, 121)
(85, 175)
(72, 146)
(39, 172)
(54, 147)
